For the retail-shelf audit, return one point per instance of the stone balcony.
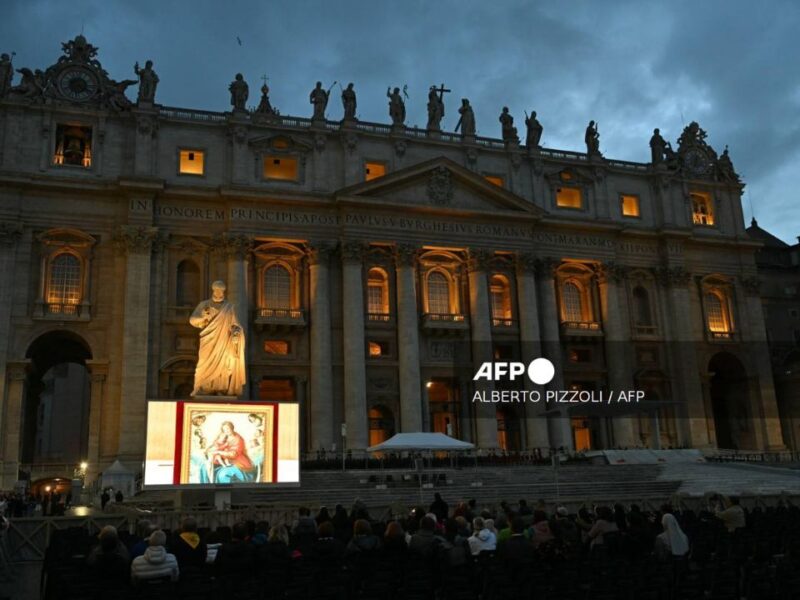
(581, 329)
(444, 323)
(61, 311)
(280, 319)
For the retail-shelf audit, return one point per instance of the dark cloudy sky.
(631, 65)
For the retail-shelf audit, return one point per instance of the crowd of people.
(447, 552)
(42, 504)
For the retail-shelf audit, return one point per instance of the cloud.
(631, 66)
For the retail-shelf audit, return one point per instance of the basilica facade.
(374, 268)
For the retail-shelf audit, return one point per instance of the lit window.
(566, 176)
(281, 168)
(276, 347)
(378, 349)
(192, 162)
(438, 293)
(73, 146)
(498, 181)
(572, 302)
(377, 292)
(500, 296)
(64, 284)
(569, 197)
(630, 205)
(373, 170)
(717, 310)
(702, 208)
(277, 288)
(580, 355)
(187, 284)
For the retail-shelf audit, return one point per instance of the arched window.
(187, 284)
(438, 293)
(377, 293)
(277, 288)
(572, 302)
(641, 301)
(717, 311)
(64, 284)
(500, 296)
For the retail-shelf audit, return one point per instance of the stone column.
(146, 131)
(10, 233)
(98, 370)
(481, 333)
(302, 402)
(408, 341)
(684, 353)
(236, 249)
(617, 336)
(559, 423)
(755, 332)
(536, 435)
(355, 372)
(321, 387)
(136, 244)
(16, 375)
(241, 166)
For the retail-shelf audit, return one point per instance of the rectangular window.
(495, 179)
(276, 347)
(580, 355)
(375, 303)
(569, 197)
(73, 146)
(192, 162)
(378, 348)
(373, 170)
(702, 208)
(630, 205)
(276, 389)
(281, 168)
(503, 352)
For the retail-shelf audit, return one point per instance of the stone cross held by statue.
(442, 91)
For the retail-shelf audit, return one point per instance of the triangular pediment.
(439, 183)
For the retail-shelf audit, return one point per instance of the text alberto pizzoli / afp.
(541, 371)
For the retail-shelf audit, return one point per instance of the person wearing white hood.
(673, 543)
(481, 538)
(156, 562)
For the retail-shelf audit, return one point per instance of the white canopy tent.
(437, 442)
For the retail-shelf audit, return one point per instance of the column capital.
(10, 232)
(134, 239)
(319, 252)
(353, 251)
(232, 245)
(98, 369)
(526, 262)
(479, 259)
(672, 276)
(546, 266)
(405, 255)
(751, 285)
(611, 272)
(18, 370)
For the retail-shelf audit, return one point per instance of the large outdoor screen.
(214, 443)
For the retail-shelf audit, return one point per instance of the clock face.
(696, 161)
(77, 84)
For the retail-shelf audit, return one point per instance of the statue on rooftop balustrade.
(6, 74)
(148, 81)
(436, 107)
(508, 130)
(466, 122)
(319, 98)
(220, 366)
(239, 93)
(534, 131)
(349, 102)
(592, 139)
(658, 147)
(397, 108)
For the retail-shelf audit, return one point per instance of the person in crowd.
(424, 542)
(188, 548)
(143, 530)
(730, 513)
(363, 540)
(341, 523)
(463, 527)
(620, 518)
(156, 562)
(454, 550)
(604, 525)
(109, 559)
(304, 530)
(565, 529)
(482, 539)
(524, 510)
(322, 516)
(105, 497)
(395, 546)
(235, 559)
(672, 543)
(118, 497)
(439, 507)
(540, 529)
(516, 550)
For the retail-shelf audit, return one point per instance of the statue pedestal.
(435, 134)
(200, 398)
(349, 123)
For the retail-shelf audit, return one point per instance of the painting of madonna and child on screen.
(209, 444)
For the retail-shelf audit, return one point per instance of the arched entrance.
(508, 429)
(55, 416)
(381, 425)
(443, 404)
(728, 388)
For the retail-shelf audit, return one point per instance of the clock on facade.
(77, 84)
(696, 161)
